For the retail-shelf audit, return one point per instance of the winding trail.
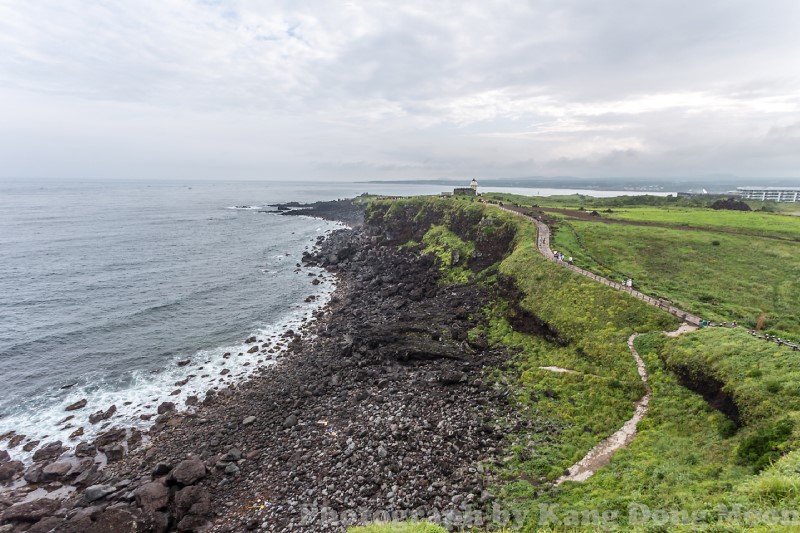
(600, 455)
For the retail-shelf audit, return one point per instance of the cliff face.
(409, 221)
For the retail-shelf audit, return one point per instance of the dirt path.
(543, 245)
(601, 454)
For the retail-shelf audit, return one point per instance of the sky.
(235, 89)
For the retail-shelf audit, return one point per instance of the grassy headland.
(722, 424)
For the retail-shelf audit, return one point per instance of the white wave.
(147, 390)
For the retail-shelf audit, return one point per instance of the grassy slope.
(685, 456)
(739, 279)
(585, 407)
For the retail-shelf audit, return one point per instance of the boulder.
(119, 521)
(189, 472)
(98, 492)
(48, 452)
(234, 454)
(9, 470)
(152, 496)
(99, 416)
(192, 501)
(84, 449)
(46, 525)
(161, 469)
(115, 453)
(34, 474)
(30, 511)
(191, 523)
(56, 471)
(249, 420)
(452, 378)
(77, 405)
(109, 438)
(166, 407)
(290, 421)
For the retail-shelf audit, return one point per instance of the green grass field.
(730, 222)
(716, 276)
(688, 456)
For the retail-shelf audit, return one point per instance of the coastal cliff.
(386, 403)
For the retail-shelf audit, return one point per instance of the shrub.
(726, 428)
(774, 386)
(764, 446)
(715, 243)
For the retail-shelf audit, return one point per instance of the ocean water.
(106, 286)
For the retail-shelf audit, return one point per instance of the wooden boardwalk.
(543, 245)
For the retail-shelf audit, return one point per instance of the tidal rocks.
(165, 407)
(110, 438)
(85, 449)
(80, 404)
(56, 471)
(99, 416)
(48, 452)
(10, 469)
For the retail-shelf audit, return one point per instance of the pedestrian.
(570, 260)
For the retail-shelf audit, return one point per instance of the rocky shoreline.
(383, 406)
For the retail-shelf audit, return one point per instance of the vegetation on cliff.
(722, 424)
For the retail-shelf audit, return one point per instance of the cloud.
(230, 88)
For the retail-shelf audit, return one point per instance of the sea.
(134, 293)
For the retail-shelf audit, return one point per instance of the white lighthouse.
(474, 185)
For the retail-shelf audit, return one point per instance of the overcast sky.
(210, 89)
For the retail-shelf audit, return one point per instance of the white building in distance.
(774, 194)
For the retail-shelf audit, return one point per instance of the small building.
(472, 190)
(772, 194)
